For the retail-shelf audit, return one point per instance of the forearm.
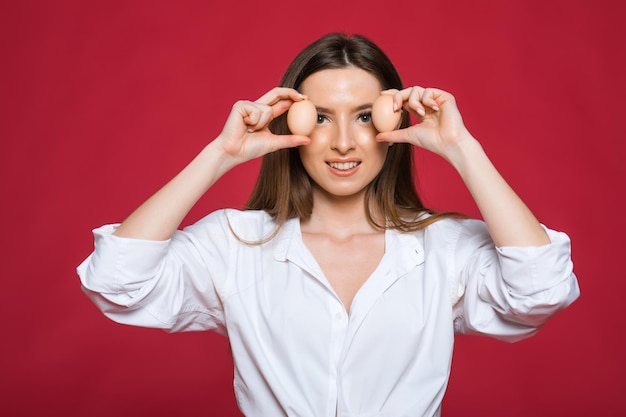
(245, 136)
(510, 221)
(159, 216)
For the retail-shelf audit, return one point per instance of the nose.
(343, 138)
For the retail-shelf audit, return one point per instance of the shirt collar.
(406, 248)
(282, 240)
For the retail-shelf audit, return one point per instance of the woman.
(339, 292)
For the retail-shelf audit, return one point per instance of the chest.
(287, 325)
(347, 264)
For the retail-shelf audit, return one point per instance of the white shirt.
(296, 350)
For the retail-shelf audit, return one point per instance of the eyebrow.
(366, 106)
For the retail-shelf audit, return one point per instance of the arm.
(441, 130)
(509, 220)
(160, 278)
(511, 290)
(245, 136)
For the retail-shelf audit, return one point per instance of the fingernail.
(421, 112)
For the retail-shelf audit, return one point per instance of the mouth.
(343, 166)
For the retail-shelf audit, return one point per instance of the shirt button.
(338, 316)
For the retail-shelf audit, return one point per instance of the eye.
(365, 117)
(321, 118)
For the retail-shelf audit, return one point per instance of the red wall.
(104, 101)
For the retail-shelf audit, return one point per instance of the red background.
(104, 101)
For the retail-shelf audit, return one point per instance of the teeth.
(343, 166)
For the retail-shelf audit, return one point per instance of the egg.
(383, 116)
(302, 118)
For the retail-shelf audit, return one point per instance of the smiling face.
(343, 157)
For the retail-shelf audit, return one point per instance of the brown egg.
(302, 118)
(383, 116)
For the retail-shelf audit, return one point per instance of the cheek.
(383, 151)
(322, 135)
(372, 147)
(308, 153)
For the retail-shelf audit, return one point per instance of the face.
(343, 157)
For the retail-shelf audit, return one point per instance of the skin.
(441, 130)
(245, 136)
(344, 133)
(338, 229)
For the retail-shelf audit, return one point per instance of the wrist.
(215, 154)
(466, 150)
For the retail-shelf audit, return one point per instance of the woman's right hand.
(246, 134)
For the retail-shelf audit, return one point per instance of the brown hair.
(284, 189)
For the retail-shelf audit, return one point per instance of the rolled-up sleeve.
(510, 292)
(167, 284)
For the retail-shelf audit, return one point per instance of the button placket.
(338, 328)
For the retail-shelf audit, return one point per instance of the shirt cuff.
(120, 264)
(547, 265)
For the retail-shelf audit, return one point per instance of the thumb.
(288, 141)
(395, 136)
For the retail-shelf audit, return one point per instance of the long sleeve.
(509, 292)
(163, 284)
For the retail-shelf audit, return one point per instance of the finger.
(394, 136)
(277, 94)
(410, 99)
(280, 99)
(429, 98)
(250, 114)
(415, 101)
(255, 116)
(287, 141)
(391, 91)
(265, 116)
(281, 106)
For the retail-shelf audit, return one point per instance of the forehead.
(340, 85)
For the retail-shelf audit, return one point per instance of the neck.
(338, 216)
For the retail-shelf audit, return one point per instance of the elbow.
(536, 309)
(107, 287)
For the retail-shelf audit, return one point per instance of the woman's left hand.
(440, 128)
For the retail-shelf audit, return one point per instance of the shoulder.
(249, 225)
(454, 234)
(455, 228)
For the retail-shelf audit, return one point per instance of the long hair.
(284, 189)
